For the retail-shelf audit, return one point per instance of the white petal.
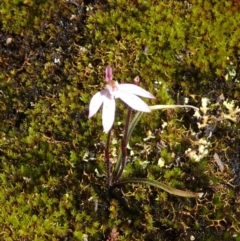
(96, 102)
(134, 101)
(108, 113)
(134, 89)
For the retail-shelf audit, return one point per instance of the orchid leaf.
(134, 123)
(160, 107)
(160, 185)
(139, 115)
(154, 107)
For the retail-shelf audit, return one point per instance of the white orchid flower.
(113, 90)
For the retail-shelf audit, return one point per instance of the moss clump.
(52, 176)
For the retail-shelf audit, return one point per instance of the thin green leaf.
(160, 107)
(160, 185)
(134, 123)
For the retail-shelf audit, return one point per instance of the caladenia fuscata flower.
(128, 93)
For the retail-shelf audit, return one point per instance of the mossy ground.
(52, 174)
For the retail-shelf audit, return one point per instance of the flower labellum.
(113, 90)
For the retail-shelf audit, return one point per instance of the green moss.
(53, 180)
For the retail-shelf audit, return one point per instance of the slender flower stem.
(124, 146)
(107, 161)
(125, 140)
